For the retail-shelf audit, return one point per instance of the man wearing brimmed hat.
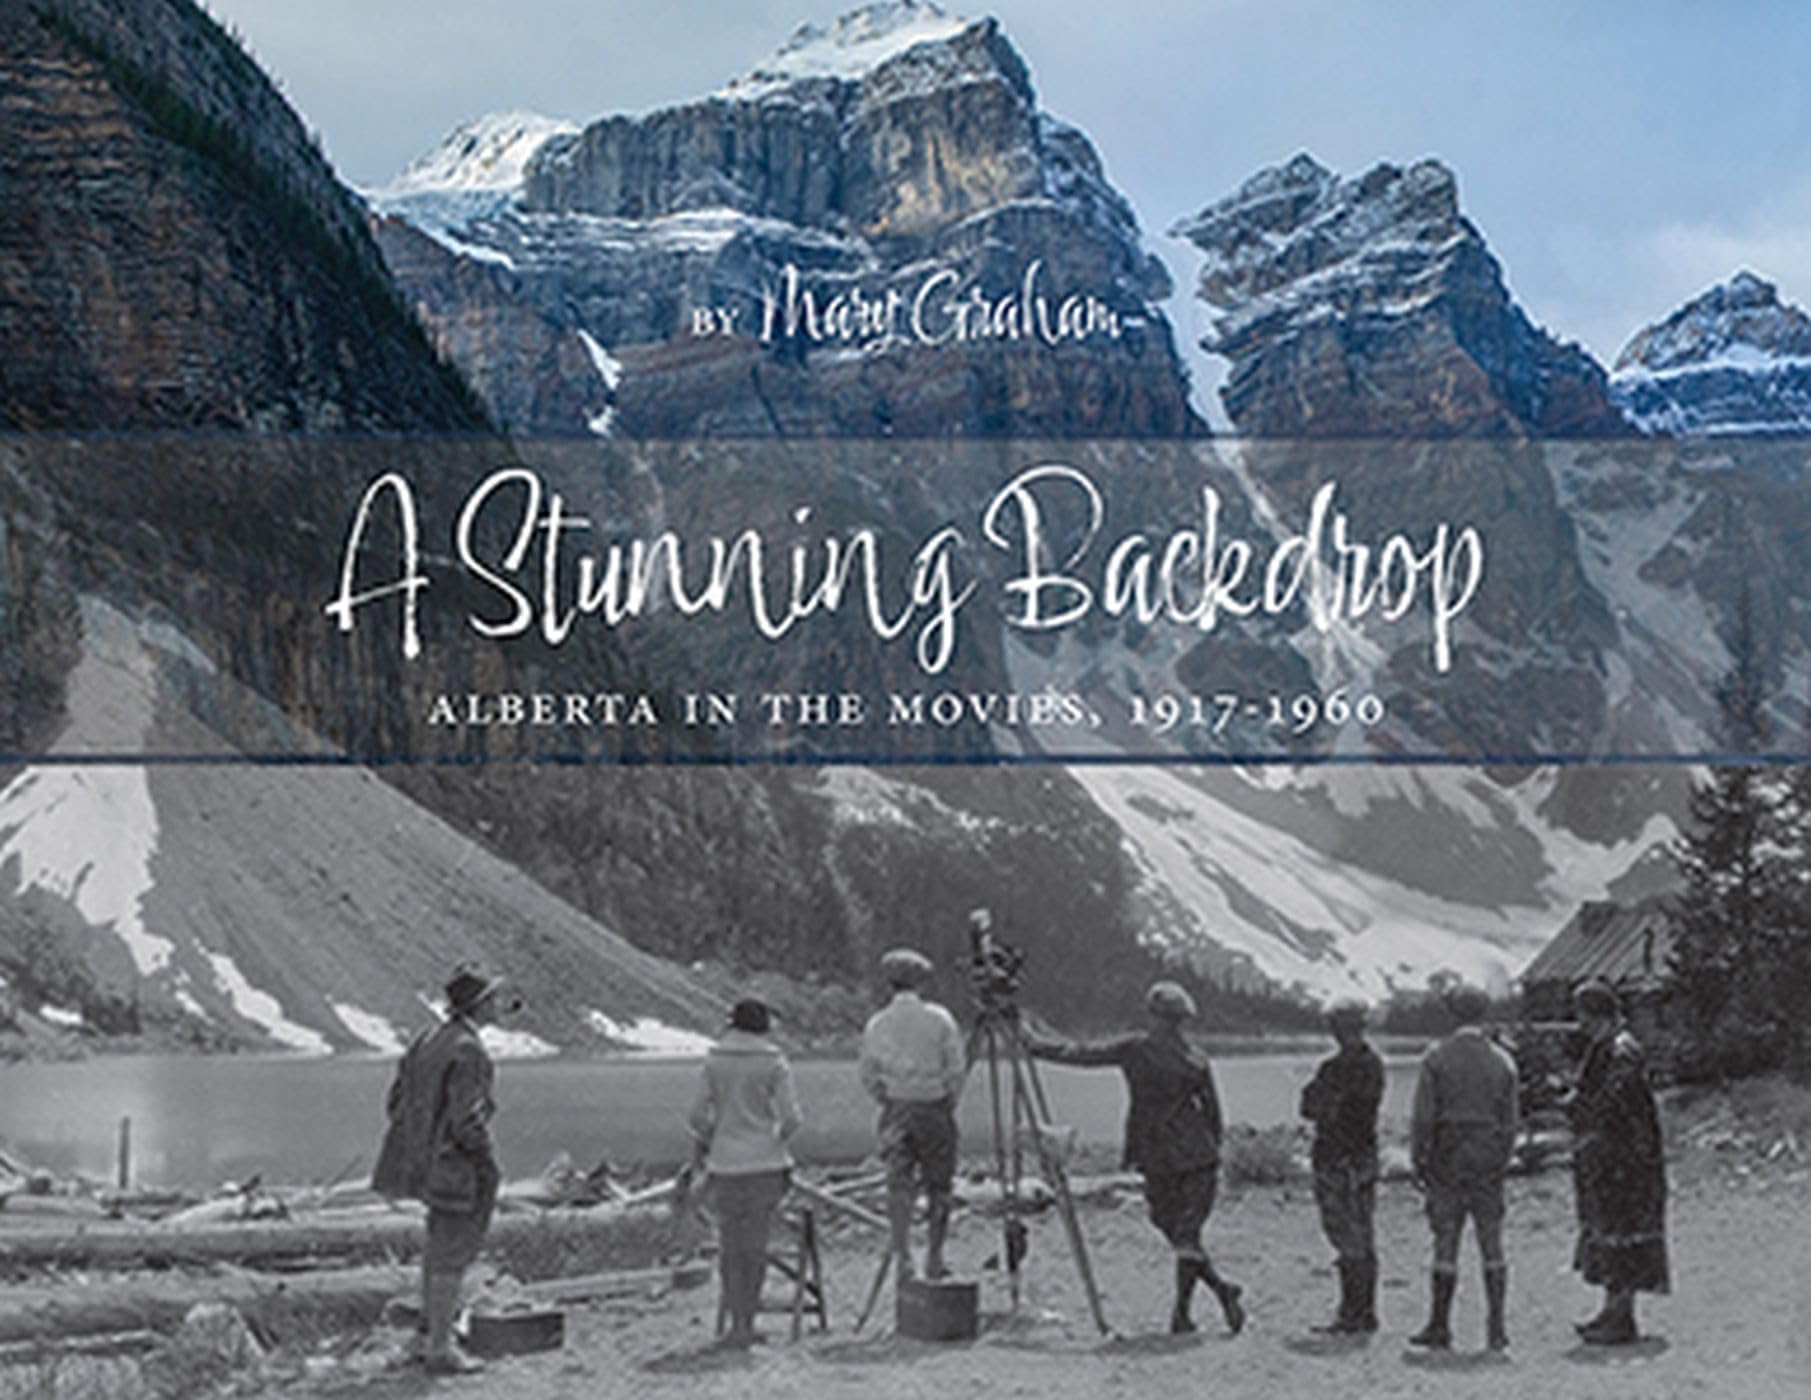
(1462, 1135)
(1173, 1134)
(438, 1150)
(1341, 1101)
(913, 1064)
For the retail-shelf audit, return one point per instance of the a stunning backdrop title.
(1044, 532)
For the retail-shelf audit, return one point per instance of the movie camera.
(996, 969)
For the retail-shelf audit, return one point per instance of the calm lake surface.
(198, 1121)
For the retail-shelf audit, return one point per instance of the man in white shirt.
(913, 1064)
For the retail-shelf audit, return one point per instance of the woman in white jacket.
(745, 1112)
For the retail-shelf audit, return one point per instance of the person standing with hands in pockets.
(438, 1150)
(1341, 1101)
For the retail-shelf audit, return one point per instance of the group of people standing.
(1462, 1141)
(438, 1149)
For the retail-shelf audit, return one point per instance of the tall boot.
(1228, 1293)
(1616, 1327)
(1188, 1270)
(1438, 1334)
(1345, 1320)
(1496, 1291)
(1364, 1293)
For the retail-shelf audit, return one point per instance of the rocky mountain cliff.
(1734, 360)
(895, 165)
(1369, 306)
(176, 255)
(163, 204)
(555, 264)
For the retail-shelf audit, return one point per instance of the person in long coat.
(438, 1150)
(1618, 1169)
(745, 1112)
(1173, 1132)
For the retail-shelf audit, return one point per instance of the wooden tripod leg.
(880, 1280)
(1004, 1172)
(1036, 1110)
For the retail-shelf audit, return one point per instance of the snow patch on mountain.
(475, 173)
(1220, 875)
(89, 835)
(262, 1009)
(368, 1027)
(610, 370)
(649, 1036)
(508, 1044)
(849, 47)
(488, 153)
(1193, 320)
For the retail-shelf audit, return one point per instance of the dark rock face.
(1733, 360)
(1370, 307)
(175, 254)
(175, 251)
(865, 158)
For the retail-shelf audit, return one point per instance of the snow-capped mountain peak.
(1733, 359)
(849, 47)
(1341, 288)
(488, 153)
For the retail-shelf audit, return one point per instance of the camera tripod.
(1020, 1114)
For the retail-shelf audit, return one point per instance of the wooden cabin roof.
(1620, 943)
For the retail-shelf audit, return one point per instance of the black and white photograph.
(825, 700)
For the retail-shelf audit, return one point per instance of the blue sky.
(1619, 156)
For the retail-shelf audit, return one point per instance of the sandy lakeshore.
(1735, 1324)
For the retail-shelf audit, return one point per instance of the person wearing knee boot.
(1341, 1101)
(1173, 1132)
(1618, 1169)
(913, 1065)
(742, 1119)
(1462, 1135)
(438, 1150)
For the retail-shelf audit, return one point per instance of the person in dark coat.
(1618, 1169)
(1173, 1132)
(438, 1150)
(1341, 1101)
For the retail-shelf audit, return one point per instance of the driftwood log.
(388, 1234)
(159, 1303)
(145, 1305)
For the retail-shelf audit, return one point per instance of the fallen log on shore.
(159, 1303)
(151, 1304)
(395, 1234)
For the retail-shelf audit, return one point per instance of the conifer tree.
(1738, 924)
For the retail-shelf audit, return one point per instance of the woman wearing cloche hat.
(1172, 1136)
(744, 1114)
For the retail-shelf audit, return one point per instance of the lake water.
(197, 1121)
